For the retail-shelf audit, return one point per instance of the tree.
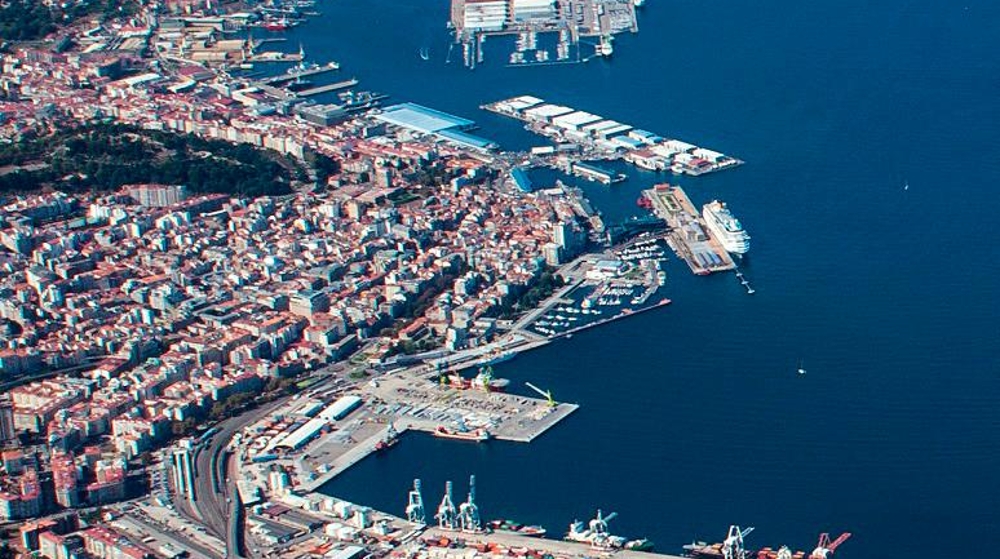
(182, 428)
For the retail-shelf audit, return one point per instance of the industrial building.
(310, 429)
(485, 15)
(545, 113)
(305, 433)
(429, 121)
(341, 408)
(524, 10)
(606, 128)
(323, 115)
(575, 120)
(521, 180)
(519, 104)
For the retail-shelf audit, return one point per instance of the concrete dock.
(412, 402)
(298, 73)
(346, 84)
(409, 402)
(555, 547)
(690, 239)
(605, 139)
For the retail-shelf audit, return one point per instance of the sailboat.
(906, 185)
(424, 54)
(801, 370)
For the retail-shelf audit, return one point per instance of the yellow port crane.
(547, 394)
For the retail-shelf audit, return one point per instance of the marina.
(602, 138)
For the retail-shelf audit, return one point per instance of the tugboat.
(639, 545)
(390, 440)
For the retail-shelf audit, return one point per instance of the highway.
(217, 504)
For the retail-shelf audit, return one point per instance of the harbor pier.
(690, 239)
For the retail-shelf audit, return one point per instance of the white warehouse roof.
(575, 120)
(547, 111)
(522, 102)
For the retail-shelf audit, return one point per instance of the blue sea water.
(692, 416)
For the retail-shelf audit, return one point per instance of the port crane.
(415, 506)
(547, 394)
(468, 512)
(447, 515)
(825, 547)
(485, 377)
(732, 547)
(599, 525)
(784, 553)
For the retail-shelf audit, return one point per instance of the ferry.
(476, 435)
(726, 228)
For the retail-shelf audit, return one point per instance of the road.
(217, 504)
(167, 535)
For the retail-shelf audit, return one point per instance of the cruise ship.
(725, 227)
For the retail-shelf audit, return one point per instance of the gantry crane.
(415, 506)
(468, 512)
(825, 547)
(732, 547)
(447, 516)
(599, 525)
(547, 394)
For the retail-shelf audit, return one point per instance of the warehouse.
(429, 121)
(485, 15)
(546, 112)
(339, 409)
(575, 121)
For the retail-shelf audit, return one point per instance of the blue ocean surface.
(693, 417)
